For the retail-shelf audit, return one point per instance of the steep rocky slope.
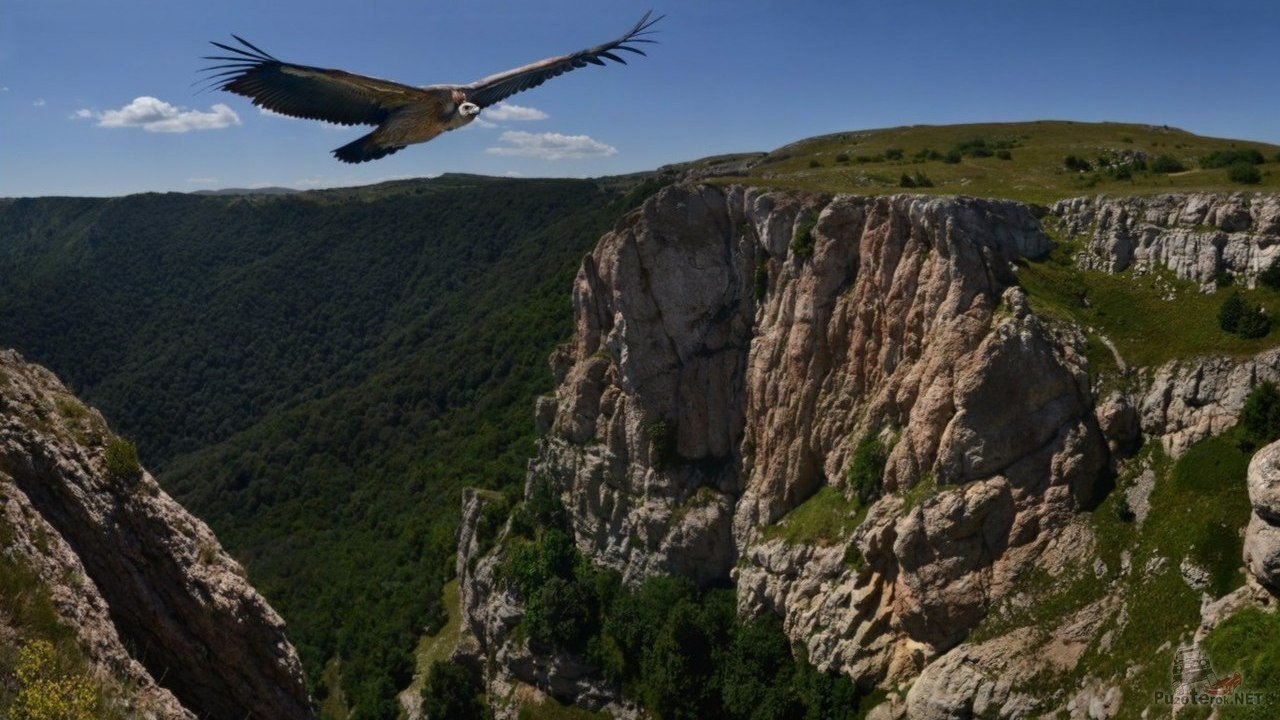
(734, 349)
(151, 601)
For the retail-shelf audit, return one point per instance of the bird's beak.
(469, 109)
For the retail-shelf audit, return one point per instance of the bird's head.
(468, 109)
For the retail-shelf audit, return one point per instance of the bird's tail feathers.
(363, 149)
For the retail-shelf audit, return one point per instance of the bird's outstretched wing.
(495, 88)
(306, 92)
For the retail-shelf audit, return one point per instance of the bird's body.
(402, 114)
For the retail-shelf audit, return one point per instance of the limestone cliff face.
(1196, 235)
(733, 346)
(153, 600)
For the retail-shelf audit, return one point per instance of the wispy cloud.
(155, 115)
(202, 180)
(551, 146)
(81, 114)
(38, 102)
(506, 112)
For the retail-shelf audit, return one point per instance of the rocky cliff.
(735, 348)
(1198, 236)
(148, 597)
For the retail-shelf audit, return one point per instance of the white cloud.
(512, 173)
(202, 180)
(551, 146)
(81, 114)
(4, 88)
(39, 102)
(154, 115)
(504, 112)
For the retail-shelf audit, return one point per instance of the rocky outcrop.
(490, 611)
(1188, 401)
(732, 346)
(150, 594)
(1262, 536)
(1198, 235)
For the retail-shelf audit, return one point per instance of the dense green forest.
(316, 375)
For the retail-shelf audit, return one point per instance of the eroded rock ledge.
(152, 597)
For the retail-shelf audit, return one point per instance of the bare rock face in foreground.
(153, 599)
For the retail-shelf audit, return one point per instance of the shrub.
(1004, 154)
(1231, 311)
(48, 692)
(1076, 164)
(1241, 319)
(952, 157)
(454, 691)
(815, 163)
(1254, 324)
(662, 441)
(762, 279)
(1227, 158)
(866, 471)
(1244, 172)
(906, 181)
(1167, 164)
(977, 147)
(893, 153)
(922, 180)
(802, 242)
(562, 614)
(842, 158)
(122, 464)
(1261, 415)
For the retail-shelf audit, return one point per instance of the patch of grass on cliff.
(824, 519)
(439, 645)
(1249, 643)
(976, 160)
(1151, 318)
(1198, 506)
(552, 709)
(28, 615)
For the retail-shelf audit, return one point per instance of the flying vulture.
(403, 115)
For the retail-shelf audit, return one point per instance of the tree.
(1261, 415)
(1167, 164)
(1232, 312)
(1244, 172)
(453, 692)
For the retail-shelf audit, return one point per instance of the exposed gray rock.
(1118, 419)
(1196, 235)
(1262, 536)
(191, 623)
(1188, 401)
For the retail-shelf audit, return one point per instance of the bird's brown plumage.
(403, 114)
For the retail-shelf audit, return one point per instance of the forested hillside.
(317, 374)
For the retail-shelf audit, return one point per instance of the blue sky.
(96, 98)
